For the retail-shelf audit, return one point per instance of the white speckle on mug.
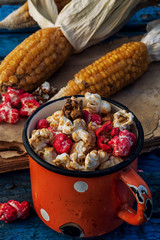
(45, 215)
(81, 186)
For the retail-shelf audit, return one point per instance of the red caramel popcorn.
(84, 138)
(16, 103)
(13, 210)
(8, 114)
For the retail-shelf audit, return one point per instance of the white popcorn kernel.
(103, 156)
(79, 124)
(96, 104)
(122, 119)
(93, 126)
(80, 135)
(62, 160)
(105, 107)
(46, 86)
(65, 125)
(93, 102)
(92, 160)
(110, 162)
(78, 151)
(54, 119)
(79, 130)
(48, 154)
(40, 138)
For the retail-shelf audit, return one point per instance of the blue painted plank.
(9, 41)
(16, 185)
(143, 16)
(5, 10)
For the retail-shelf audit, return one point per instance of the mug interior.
(49, 108)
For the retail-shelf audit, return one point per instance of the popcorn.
(122, 144)
(88, 117)
(80, 130)
(76, 166)
(84, 139)
(13, 210)
(93, 126)
(96, 105)
(15, 98)
(94, 159)
(78, 151)
(104, 130)
(40, 138)
(73, 108)
(62, 143)
(48, 154)
(54, 119)
(8, 114)
(42, 123)
(29, 104)
(108, 117)
(65, 125)
(122, 119)
(111, 162)
(62, 160)
(12, 96)
(44, 92)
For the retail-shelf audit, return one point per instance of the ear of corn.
(111, 72)
(34, 60)
(21, 18)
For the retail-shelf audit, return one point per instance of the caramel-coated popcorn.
(96, 105)
(53, 120)
(40, 138)
(99, 139)
(122, 119)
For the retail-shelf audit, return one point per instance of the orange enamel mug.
(87, 203)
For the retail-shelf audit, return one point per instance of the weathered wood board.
(142, 97)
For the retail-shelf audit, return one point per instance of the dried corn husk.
(152, 40)
(44, 12)
(86, 22)
(21, 18)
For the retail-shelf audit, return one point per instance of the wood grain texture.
(16, 185)
(12, 2)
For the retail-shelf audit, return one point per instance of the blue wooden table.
(16, 185)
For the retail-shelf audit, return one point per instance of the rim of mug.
(84, 174)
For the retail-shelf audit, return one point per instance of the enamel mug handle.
(143, 197)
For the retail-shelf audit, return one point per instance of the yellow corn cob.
(21, 18)
(111, 72)
(34, 60)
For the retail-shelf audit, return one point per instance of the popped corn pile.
(16, 103)
(84, 138)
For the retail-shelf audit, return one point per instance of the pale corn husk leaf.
(152, 40)
(86, 22)
(44, 12)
